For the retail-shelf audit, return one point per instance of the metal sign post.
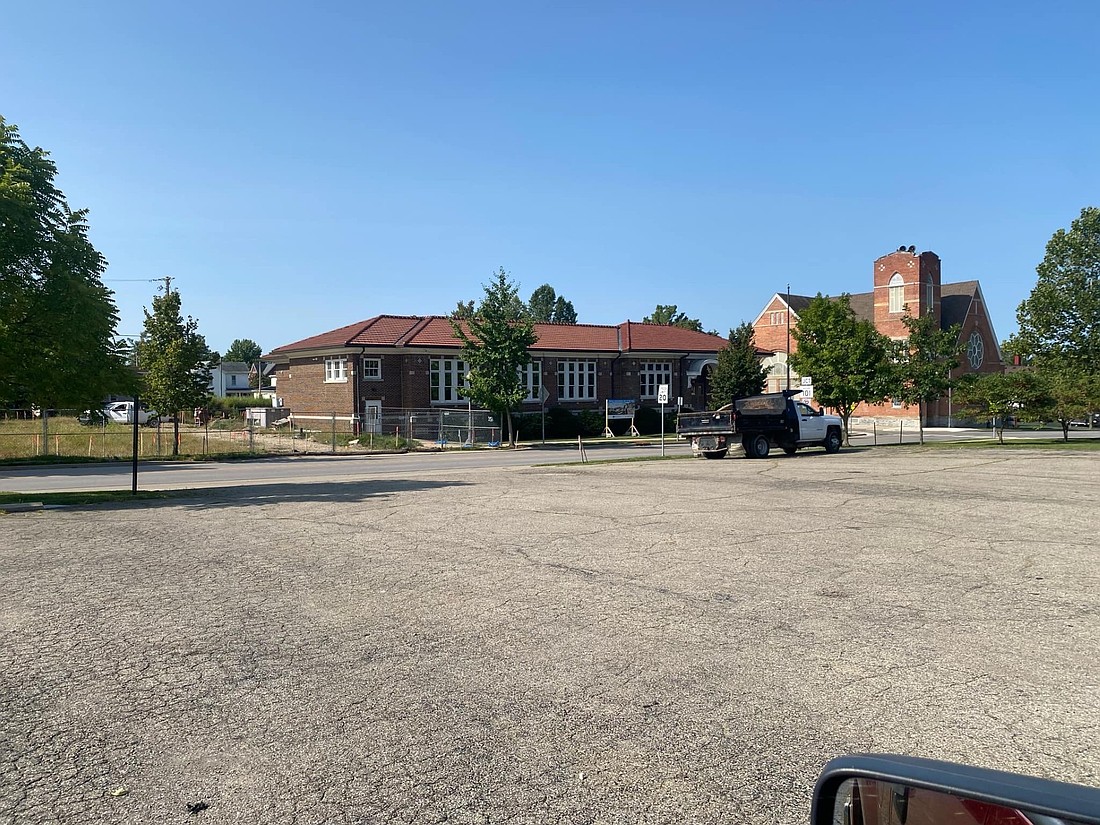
(662, 399)
(134, 479)
(544, 394)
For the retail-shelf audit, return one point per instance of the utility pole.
(788, 314)
(167, 283)
(135, 437)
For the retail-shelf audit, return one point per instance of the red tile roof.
(576, 338)
(385, 330)
(657, 337)
(433, 332)
(333, 338)
(436, 331)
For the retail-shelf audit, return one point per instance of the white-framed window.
(530, 375)
(576, 380)
(897, 293)
(448, 376)
(336, 370)
(372, 369)
(778, 319)
(651, 374)
(896, 403)
(929, 296)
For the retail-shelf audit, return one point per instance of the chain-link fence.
(455, 427)
(90, 435)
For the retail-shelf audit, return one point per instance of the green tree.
(564, 312)
(243, 349)
(547, 307)
(1070, 393)
(1059, 335)
(667, 315)
(541, 304)
(739, 372)
(1060, 320)
(923, 362)
(172, 355)
(997, 395)
(849, 359)
(495, 344)
(463, 311)
(57, 319)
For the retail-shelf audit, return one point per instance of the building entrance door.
(372, 416)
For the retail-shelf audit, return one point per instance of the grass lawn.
(66, 438)
(90, 497)
(1074, 444)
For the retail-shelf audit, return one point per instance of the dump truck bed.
(705, 423)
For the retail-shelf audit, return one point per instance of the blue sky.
(296, 167)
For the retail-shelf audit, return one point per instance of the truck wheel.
(760, 446)
(832, 441)
(714, 454)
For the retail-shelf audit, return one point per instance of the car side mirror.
(879, 789)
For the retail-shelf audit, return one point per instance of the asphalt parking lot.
(647, 642)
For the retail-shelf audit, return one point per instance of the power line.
(167, 281)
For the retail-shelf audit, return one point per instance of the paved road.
(654, 642)
(866, 436)
(170, 475)
(155, 475)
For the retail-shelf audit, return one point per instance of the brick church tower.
(905, 278)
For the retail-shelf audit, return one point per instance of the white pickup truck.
(758, 423)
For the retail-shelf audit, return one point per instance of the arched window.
(929, 296)
(897, 295)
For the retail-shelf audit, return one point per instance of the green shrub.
(528, 426)
(591, 422)
(648, 420)
(561, 423)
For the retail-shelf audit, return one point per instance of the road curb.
(24, 507)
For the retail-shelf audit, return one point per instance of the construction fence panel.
(84, 434)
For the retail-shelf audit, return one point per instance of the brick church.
(905, 278)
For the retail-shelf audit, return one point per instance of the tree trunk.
(920, 419)
(176, 434)
(1065, 429)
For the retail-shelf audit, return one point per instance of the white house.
(229, 378)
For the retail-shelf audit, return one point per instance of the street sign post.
(544, 395)
(662, 399)
(807, 388)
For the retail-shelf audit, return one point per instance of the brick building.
(414, 362)
(901, 279)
